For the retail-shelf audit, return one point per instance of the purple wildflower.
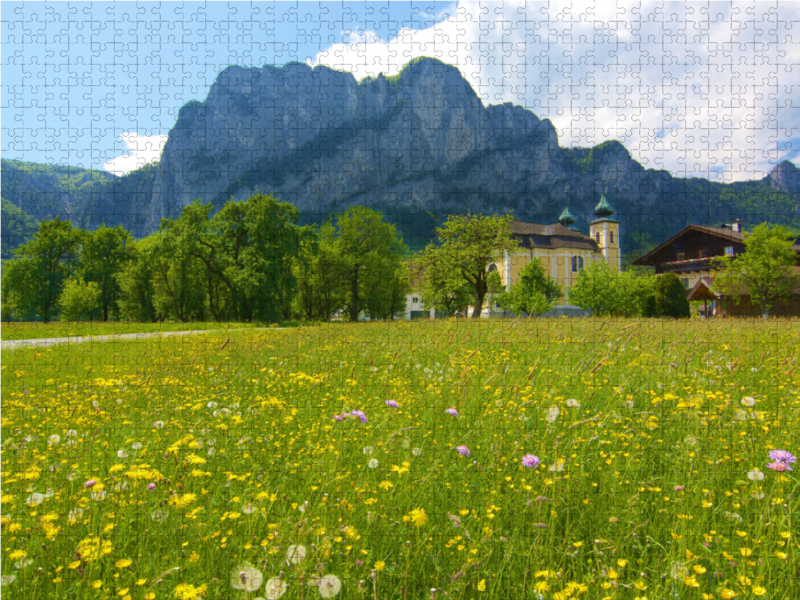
(151, 486)
(338, 417)
(779, 466)
(452, 411)
(90, 483)
(673, 365)
(360, 414)
(530, 461)
(783, 456)
(679, 488)
(392, 404)
(463, 450)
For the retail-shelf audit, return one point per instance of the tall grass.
(200, 466)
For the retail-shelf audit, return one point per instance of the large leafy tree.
(441, 285)
(246, 251)
(766, 270)
(534, 293)
(319, 272)
(466, 245)
(104, 253)
(370, 251)
(80, 299)
(34, 280)
(179, 280)
(596, 289)
(637, 294)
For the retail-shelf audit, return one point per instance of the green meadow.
(542, 458)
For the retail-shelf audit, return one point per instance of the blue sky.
(700, 89)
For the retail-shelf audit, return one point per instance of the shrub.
(670, 297)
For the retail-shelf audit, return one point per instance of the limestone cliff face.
(421, 141)
(321, 140)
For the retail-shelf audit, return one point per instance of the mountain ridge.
(411, 144)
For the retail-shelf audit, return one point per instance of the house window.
(597, 236)
(611, 237)
(415, 300)
(492, 268)
(577, 263)
(703, 253)
(685, 282)
(728, 250)
(681, 255)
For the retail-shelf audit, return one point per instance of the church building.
(563, 249)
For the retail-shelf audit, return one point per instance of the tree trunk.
(354, 303)
(476, 311)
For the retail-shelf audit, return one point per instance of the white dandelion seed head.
(34, 499)
(275, 588)
(749, 401)
(122, 454)
(295, 554)
(416, 451)
(368, 450)
(158, 424)
(246, 577)
(552, 414)
(373, 463)
(136, 445)
(329, 586)
(755, 475)
(573, 403)
(54, 439)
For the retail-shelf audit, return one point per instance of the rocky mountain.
(417, 143)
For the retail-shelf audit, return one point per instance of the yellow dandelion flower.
(121, 564)
(482, 585)
(419, 517)
(380, 566)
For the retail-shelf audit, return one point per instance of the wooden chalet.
(688, 254)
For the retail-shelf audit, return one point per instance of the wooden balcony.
(685, 266)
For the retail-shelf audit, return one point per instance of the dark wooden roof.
(534, 235)
(720, 232)
(724, 233)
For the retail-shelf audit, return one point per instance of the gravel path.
(81, 339)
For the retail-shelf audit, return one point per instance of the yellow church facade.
(563, 249)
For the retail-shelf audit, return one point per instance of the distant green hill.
(17, 228)
(45, 191)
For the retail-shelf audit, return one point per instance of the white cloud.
(699, 89)
(141, 150)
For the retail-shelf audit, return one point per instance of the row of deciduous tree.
(250, 261)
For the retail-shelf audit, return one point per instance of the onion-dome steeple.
(567, 220)
(603, 208)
